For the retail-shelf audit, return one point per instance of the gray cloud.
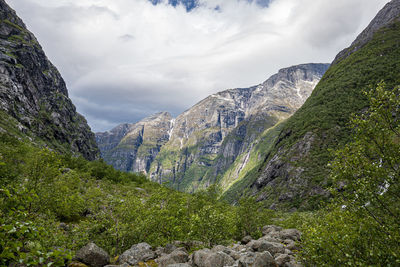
(123, 59)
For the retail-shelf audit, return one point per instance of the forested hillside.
(295, 171)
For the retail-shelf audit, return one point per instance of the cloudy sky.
(126, 59)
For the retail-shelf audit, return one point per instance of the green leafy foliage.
(249, 208)
(55, 204)
(361, 227)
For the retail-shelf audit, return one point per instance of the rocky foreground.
(277, 247)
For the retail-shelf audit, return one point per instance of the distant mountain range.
(196, 149)
(263, 141)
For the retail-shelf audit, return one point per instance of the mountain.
(34, 99)
(195, 149)
(207, 138)
(133, 147)
(295, 171)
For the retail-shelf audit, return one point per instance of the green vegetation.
(19, 28)
(361, 226)
(51, 205)
(326, 115)
(340, 94)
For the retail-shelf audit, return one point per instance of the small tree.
(363, 227)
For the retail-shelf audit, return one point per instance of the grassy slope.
(337, 96)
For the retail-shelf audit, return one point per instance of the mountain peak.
(387, 15)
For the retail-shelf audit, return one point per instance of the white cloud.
(125, 59)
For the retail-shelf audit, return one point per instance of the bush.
(362, 227)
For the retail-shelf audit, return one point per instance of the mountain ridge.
(295, 173)
(202, 136)
(34, 98)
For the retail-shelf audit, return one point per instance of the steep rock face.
(33, 95)
(206, 139)
(294, 172)
(133, 147)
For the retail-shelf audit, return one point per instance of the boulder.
(239, 248)
(137, 253)
(271, 247)
(179, 265)
(169, 248)
(219, 259)
(199, 256)
(160, 251)
(268, 238)
(292, 234)
(282, 259)
(93, 255)
(219, 248)
(262, 245)
(235, 255)
(263, 259)
(177, 256)
(246, 240)
(270, 228)
(208, 258)
(290, 244)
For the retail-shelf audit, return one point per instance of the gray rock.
(235, 255)
(160, 251)
(263, 259)
(177, 256)
(93, 255)
(282, 259)
(246, 239)
(289, 252)
(137, 253)
(268, 238)
(169, 248)
(199, 257)
(290, 244)
(219, 248)
(270, 228)
(292, 234)
(218, 259)
(238, 247)
(179, 265)
(262, 245)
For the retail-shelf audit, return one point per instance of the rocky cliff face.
(195, 149)
(206, 139)
(33, 95)
(133, 147)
